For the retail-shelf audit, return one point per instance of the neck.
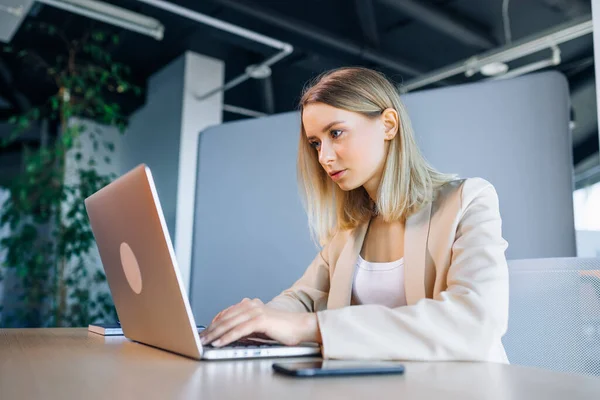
(372, 188)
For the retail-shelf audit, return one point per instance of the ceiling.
(325, 34)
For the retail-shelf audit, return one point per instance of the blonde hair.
(408, 180)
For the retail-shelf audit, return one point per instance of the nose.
(326, 154)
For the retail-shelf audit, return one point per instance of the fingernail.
(217, 343)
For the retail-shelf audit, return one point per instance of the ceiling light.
(523, 47)
(110, 14)
(494, 69)
(258, 71)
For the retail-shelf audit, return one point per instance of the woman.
(412, 265)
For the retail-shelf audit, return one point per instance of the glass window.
(586, 206)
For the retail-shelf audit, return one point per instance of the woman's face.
(351, 147)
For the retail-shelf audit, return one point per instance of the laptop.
(144, 279)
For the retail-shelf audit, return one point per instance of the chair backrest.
(554, 314)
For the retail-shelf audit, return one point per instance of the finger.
(226, 311)
(241, 307)
(218, 316)
(226, 314)
(229, 324)
(221, 328)
(246, 328)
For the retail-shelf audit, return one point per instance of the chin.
(346, 187)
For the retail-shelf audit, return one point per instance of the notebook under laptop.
(144, 279)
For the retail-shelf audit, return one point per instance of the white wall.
(586, 203)
(103, 134)
(588, 243)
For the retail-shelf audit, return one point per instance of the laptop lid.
(139, 261)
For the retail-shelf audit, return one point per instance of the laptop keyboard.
(248, 344)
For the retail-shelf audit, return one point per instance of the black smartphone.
(338, 367)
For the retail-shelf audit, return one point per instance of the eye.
(314, 145)
(335, 133)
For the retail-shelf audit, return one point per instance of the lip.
(335, 175)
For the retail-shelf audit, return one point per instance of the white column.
(164, 135)
(202, 74)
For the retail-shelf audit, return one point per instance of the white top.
(379, 283)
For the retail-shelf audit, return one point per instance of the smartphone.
(338, 367)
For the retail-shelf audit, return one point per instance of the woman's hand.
(253, 317)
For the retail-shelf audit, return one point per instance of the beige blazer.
(456, 283)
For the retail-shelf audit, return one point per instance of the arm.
(288, 318)
(461, 323)
(310, 292)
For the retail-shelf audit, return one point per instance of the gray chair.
(554, 314)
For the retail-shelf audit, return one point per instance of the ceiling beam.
(570, 8)
(368, 22)
(456, 27)
(320, 36)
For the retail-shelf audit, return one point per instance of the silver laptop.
(144, 279)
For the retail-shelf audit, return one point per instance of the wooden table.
(74, 364)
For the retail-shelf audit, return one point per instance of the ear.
(391, 123)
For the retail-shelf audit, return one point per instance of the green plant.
(51, 240)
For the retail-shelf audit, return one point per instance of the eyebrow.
(326, 128)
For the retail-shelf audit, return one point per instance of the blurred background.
(80, 77)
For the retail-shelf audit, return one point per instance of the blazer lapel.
(415, 250)
(341, 282)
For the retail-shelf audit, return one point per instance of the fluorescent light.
(550, 62)
(521, 48)
(258, 71)
(113, 15)
(494, 68)
(15, 11)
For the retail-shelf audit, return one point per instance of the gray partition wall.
(514, 133)
(251, 237)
